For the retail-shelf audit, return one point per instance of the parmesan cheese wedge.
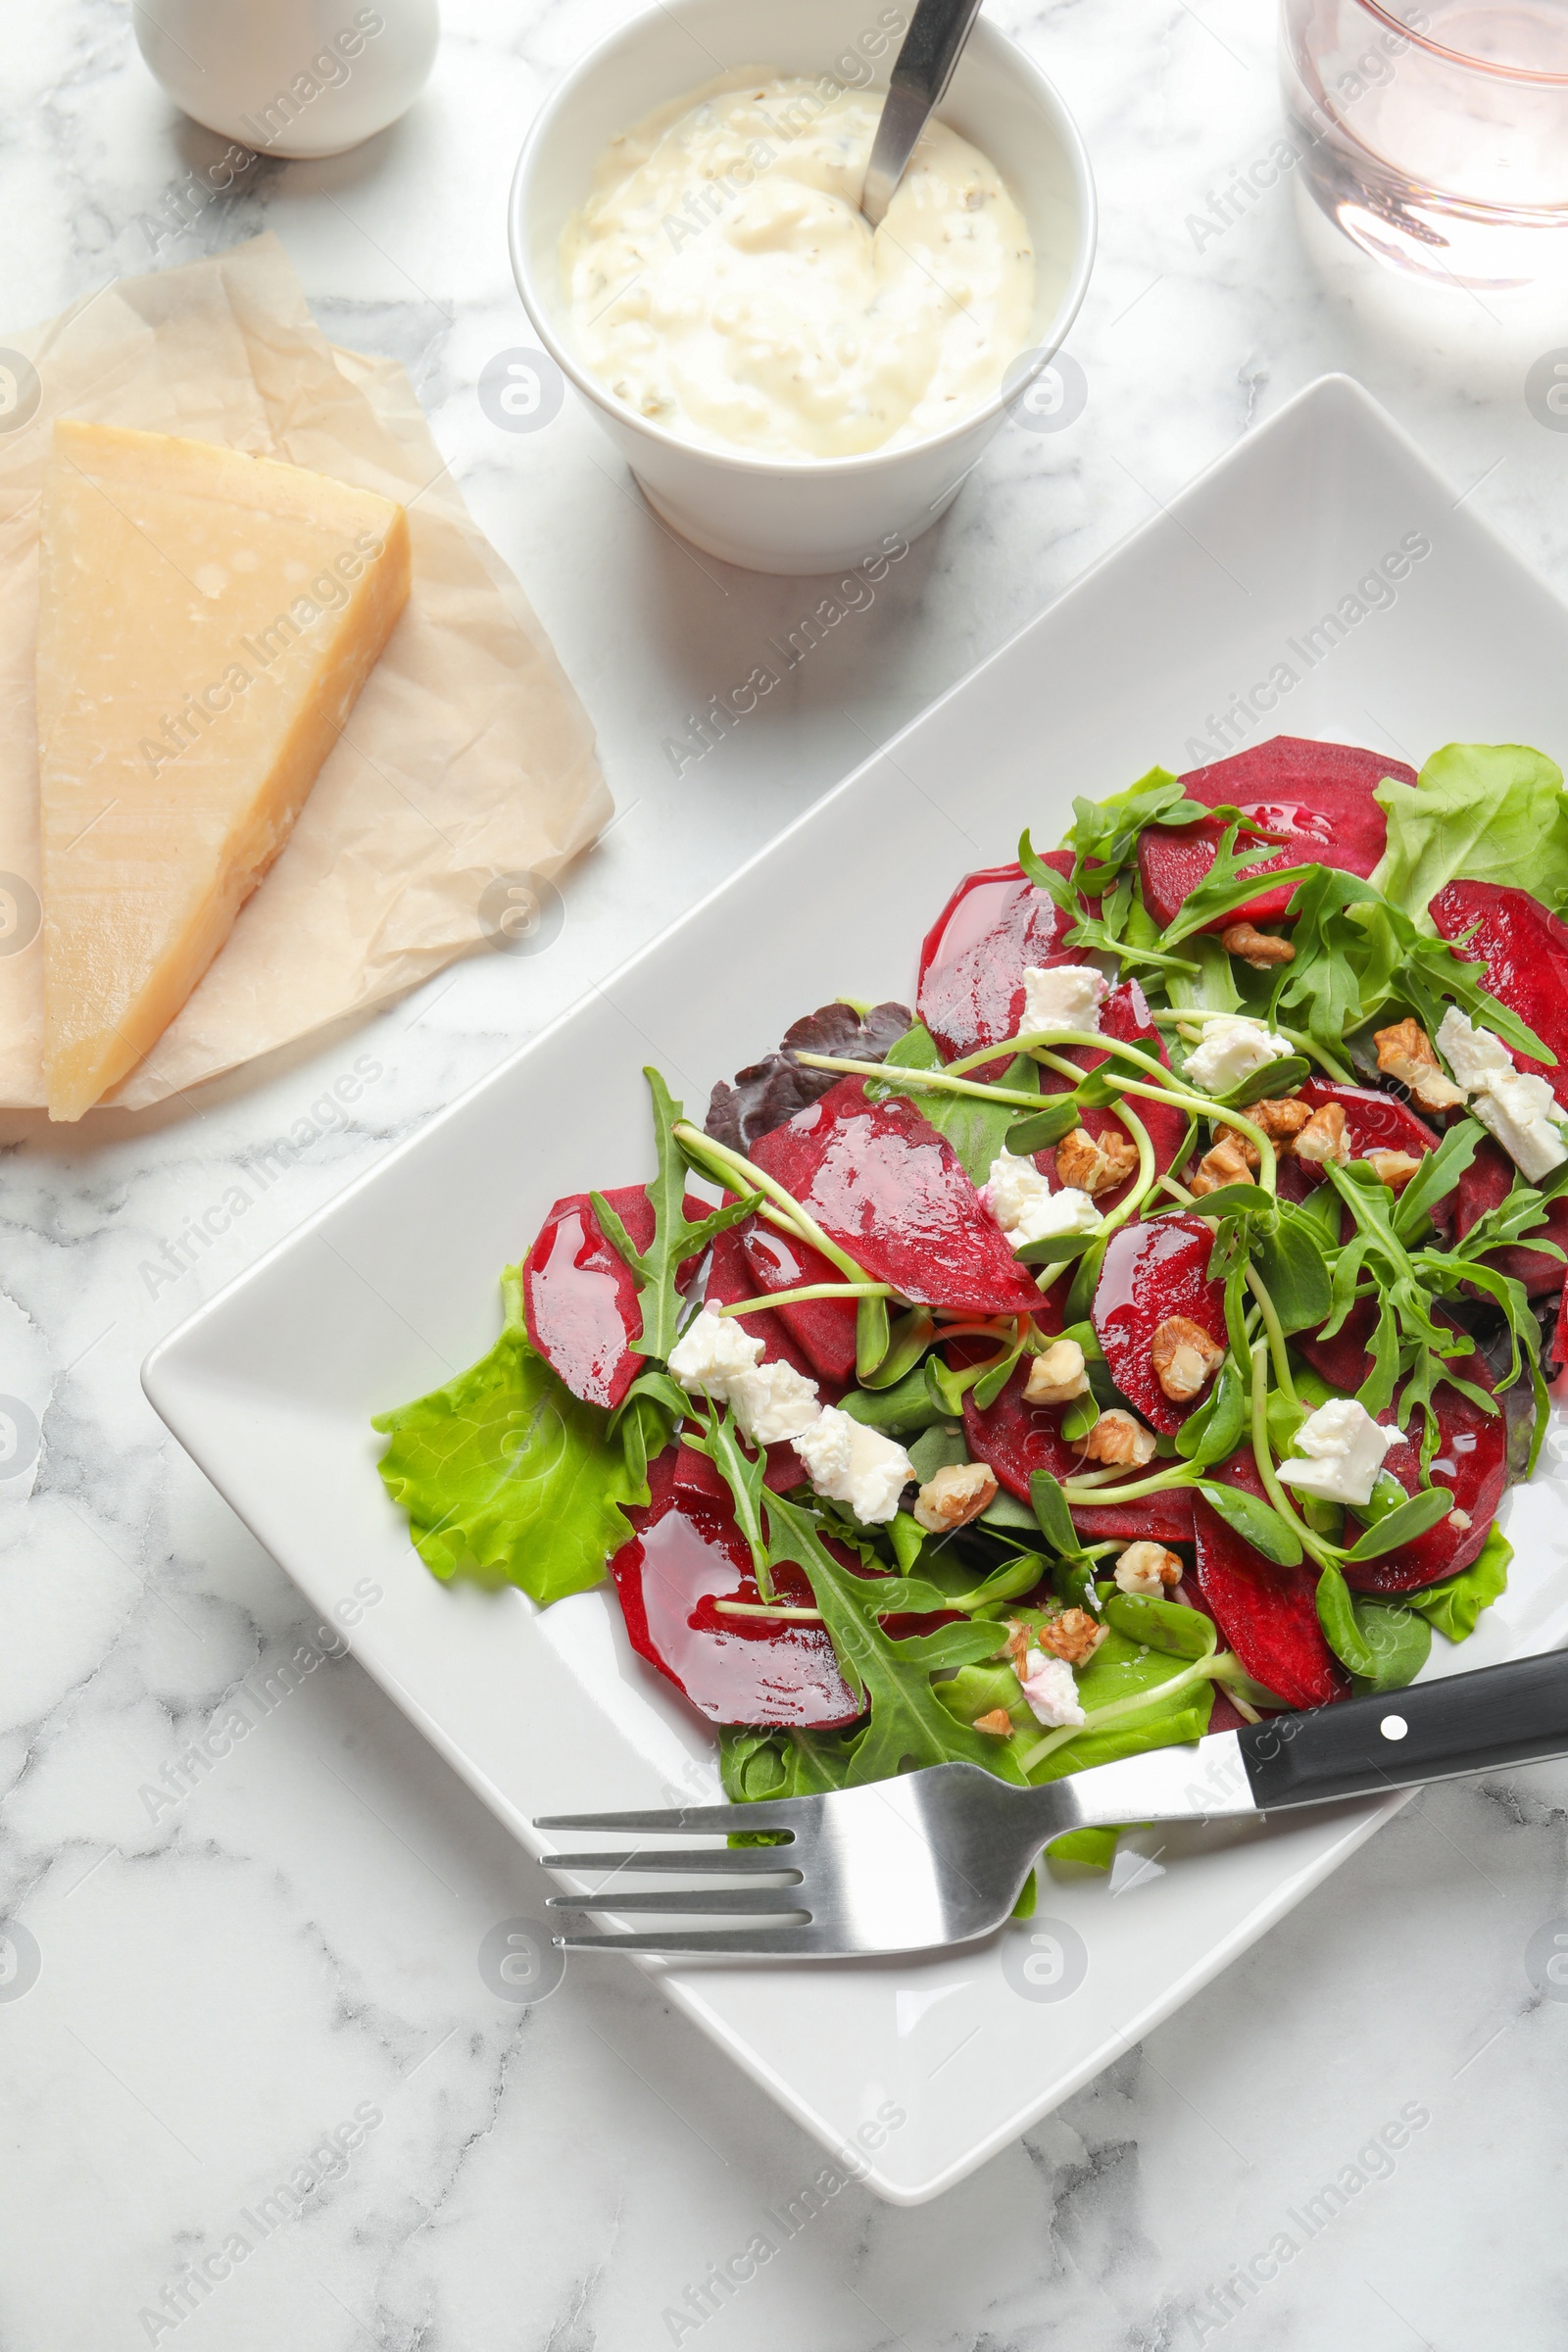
(206, 621)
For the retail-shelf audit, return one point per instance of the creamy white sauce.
(723, 281)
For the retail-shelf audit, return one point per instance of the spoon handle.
(921, 72)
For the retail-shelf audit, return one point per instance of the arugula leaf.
(505, 1475)
(719, 1437)
(1438, 1176)
(1480, 813)
(1454, 1605)
(675, 1237)
(1039, 1129)
(908, 1725)
(1231, 881)
(1212, 988)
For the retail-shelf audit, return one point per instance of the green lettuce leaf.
(505, 1475)
(1480, 813)
(1454, 1606)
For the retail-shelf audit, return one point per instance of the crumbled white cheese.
(715, 1350)
(1233, 1048)
(1519, 1109)
(1522, 1113)
(849, 1463)
(1065, 996)
(773, 1403)
(1476, 1056)
(1049, 1687)
(1344, 1450)
(1026, 1209)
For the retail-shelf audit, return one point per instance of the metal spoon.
(921, 72)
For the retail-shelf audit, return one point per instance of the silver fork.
(940, 1856)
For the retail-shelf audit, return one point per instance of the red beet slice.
(1525, 951)
(1017, 1439)
(1317, 794)
(579, 1295)
(1472, 1458)
(1149, 1273)
(1486, 1184)
(1343, 1361)
(733, 1670)
(1269, 1615)
(822, 1329)
(730, 1280)
(884, 1185)
(1124, 1015)
(975, 955)
(1373, 1122)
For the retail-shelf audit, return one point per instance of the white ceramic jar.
(805, 514)
(292, 78)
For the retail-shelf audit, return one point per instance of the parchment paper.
(467, 756)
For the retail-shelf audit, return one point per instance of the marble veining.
(258, 2036)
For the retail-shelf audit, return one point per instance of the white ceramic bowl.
(803, 514)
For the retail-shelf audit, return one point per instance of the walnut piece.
(999, 1722)
(1393, 1168)
(1281, 1117)
(1073, 1636)
(1323, 1136)
(1406, 1052)
(953, 1496)
(1057, 1376)
(1259, 948)
(1095, 1162)
(1231, 1161)
(1184, 1358)
(1116, 1438)
(1149, 1569)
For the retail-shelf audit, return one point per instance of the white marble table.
(235, 1966)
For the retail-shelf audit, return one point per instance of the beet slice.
(884, 1185)
(972, 963)
(1373, 1122)
(1017, 1438)
(1486, 1184)
(821, 1329)
(579, 1295)
(1343, 1361)
(1317, 794)
(1124, 1015)
(1151, 1272)
(1525, 951)
(686, 1554)
(730, 1280)
(1472, 1458)
(1269, 1615)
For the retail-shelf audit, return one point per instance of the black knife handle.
(1481, 1721)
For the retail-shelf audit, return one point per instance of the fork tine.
(736, 1902)
(746, 1943)
(726, 1861)
(703, 1821)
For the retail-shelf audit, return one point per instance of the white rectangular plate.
(1203, 620)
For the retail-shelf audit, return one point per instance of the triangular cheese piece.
(206, 621)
